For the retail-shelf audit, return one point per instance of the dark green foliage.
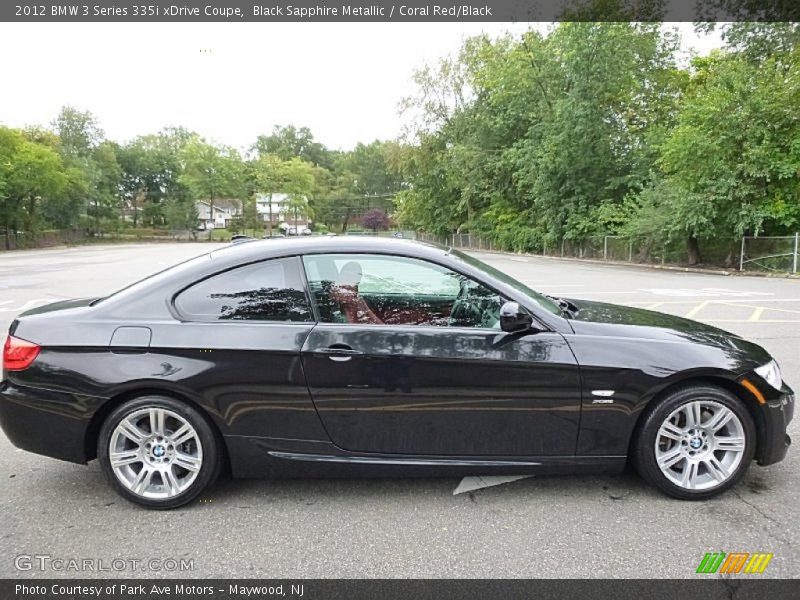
(596, 129)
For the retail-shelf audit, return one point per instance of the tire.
(166, 453)
(694, 443)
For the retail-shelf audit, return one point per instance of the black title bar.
(405, 11)
(390, 589)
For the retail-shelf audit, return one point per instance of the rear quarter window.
(270, 290)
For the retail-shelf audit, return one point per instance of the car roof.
(275, 247)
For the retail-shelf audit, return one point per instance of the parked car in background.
(298, 231)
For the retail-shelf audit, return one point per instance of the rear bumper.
(777, 415)
(47, 422)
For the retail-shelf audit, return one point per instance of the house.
(218, 215)
(276, 207)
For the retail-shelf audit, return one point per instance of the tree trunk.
(346, 221)
(269, 226)
(693, 251)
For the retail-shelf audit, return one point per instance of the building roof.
(223, 203)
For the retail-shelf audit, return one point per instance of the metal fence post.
(605, 247)
(741, 255)
(630, 251)
(796, 247)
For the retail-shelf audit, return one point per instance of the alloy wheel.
(700, 445)
(155, 453)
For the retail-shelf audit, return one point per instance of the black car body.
(310, 395)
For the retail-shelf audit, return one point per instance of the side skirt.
(253, 457)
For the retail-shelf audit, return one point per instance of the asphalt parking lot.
(535, 527)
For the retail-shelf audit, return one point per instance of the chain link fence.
(43, 239)
(777, 254)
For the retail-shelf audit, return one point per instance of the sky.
(232, 81)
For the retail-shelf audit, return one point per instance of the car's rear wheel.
(695, 443)
(158, 452)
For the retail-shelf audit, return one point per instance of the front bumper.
(775, 442)
(47, 422)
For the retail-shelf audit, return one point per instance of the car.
(239, 238)
(298, 231)
(347, 356)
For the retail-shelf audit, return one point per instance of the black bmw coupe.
(348, 356)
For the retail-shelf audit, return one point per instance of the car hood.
(601, 318)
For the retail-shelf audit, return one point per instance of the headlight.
(771, 373)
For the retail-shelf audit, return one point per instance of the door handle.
(339, 352)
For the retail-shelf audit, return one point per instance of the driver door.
(430, 372)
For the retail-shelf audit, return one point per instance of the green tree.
(735, 152)
(299, 185)
(30, 174)
(78, 132)
(268, 172)
(151, 169)
(105, 174)
(211, 172)
(535, 139)
(287, 142)
(181, 216)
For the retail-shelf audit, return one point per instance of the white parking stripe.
(693, 292)
(469, 484)
(28, 304)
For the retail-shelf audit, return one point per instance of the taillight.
(19, 354)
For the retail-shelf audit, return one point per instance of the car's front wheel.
(695, 443)
(158, 452)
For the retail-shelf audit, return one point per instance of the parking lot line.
(749, 321)
(755, 306)
(727, 301)
(697, 309)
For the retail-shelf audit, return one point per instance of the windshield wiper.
(567, 307)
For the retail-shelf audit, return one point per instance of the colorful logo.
(735, 562)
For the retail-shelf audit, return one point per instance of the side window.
(393, 290)
(271, 290)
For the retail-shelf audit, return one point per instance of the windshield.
(540, 299)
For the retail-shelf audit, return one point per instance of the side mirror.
(513, 319)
